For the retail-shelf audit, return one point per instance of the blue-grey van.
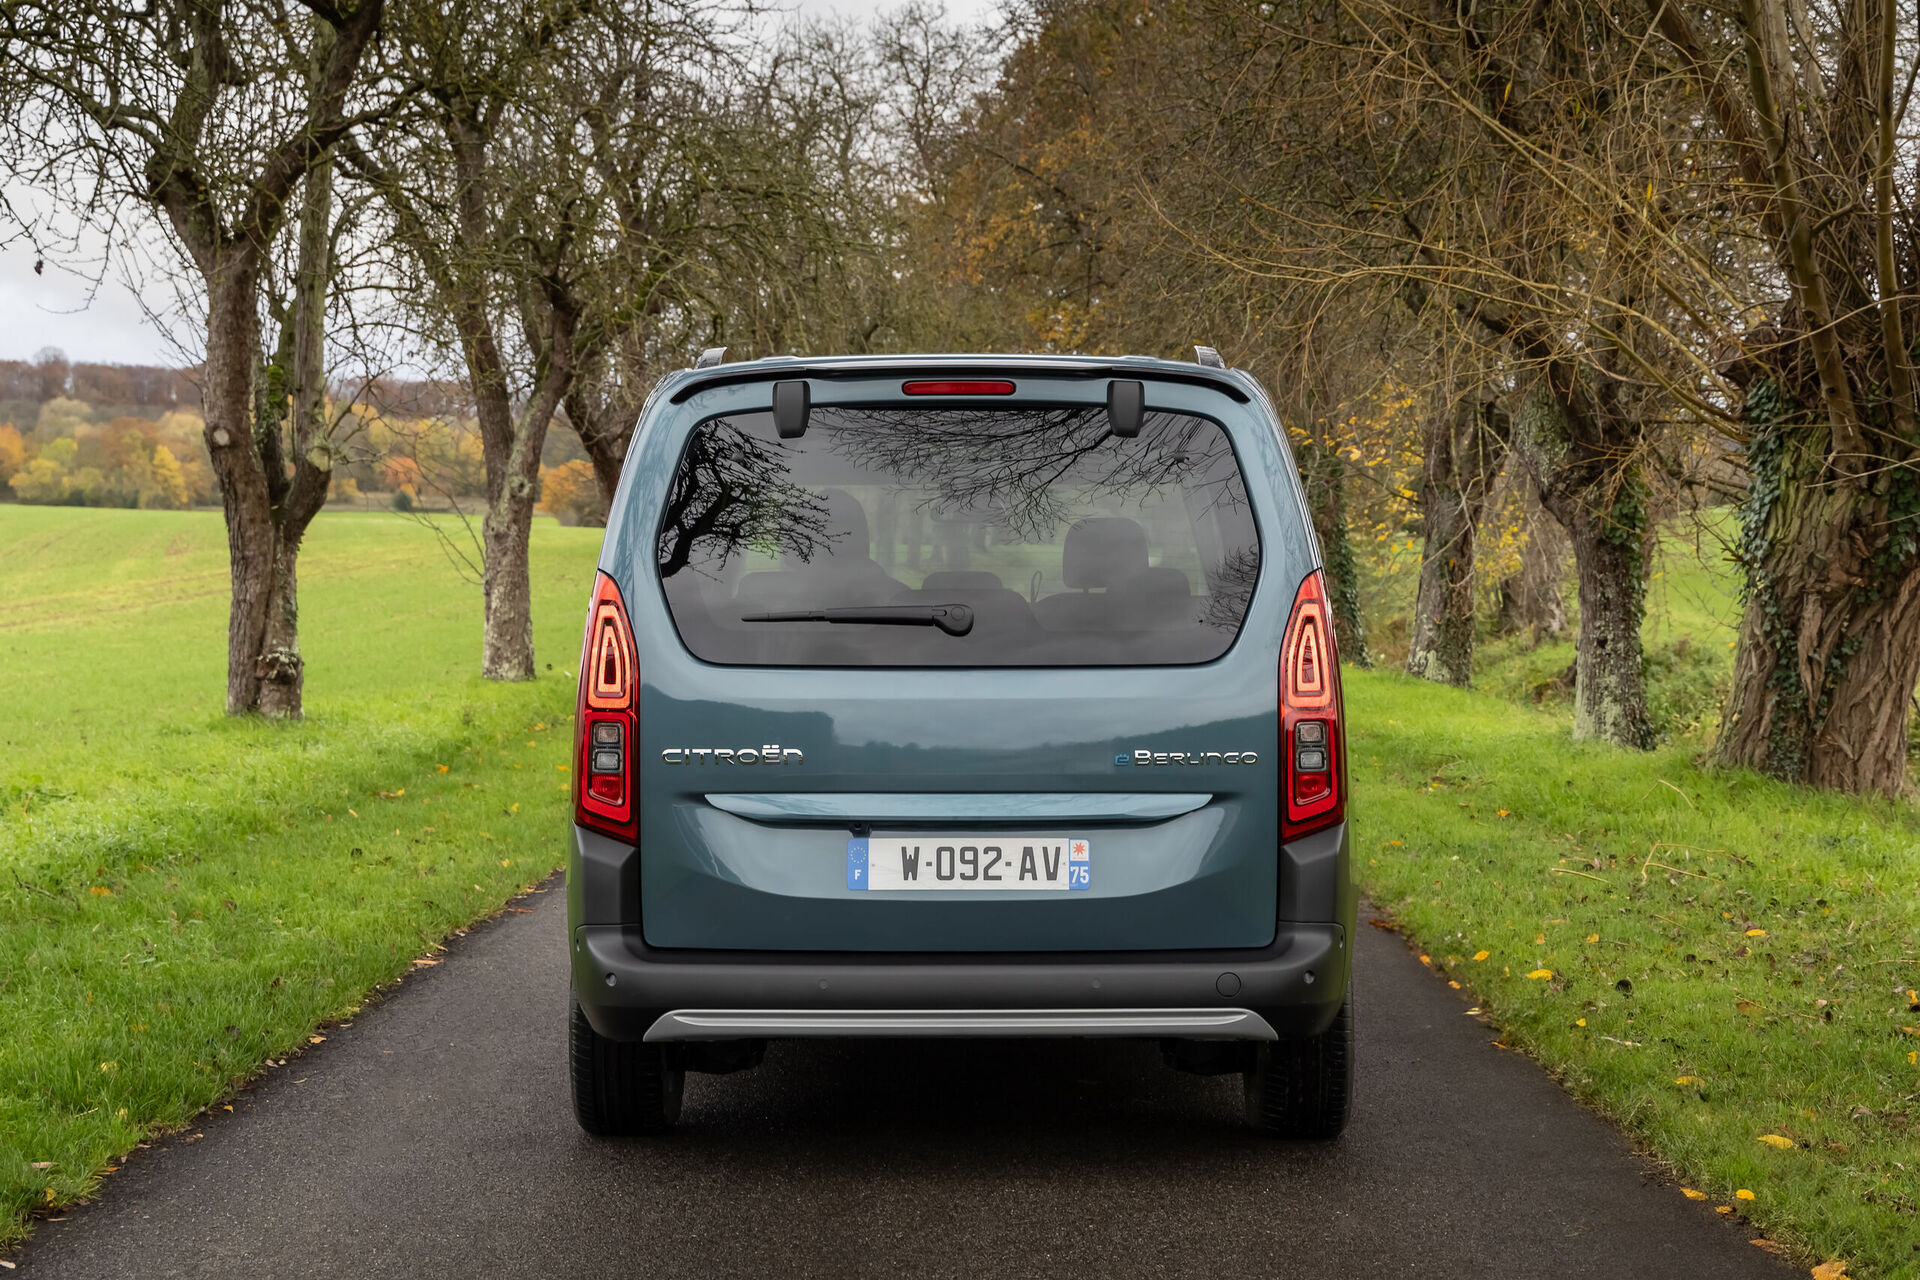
(960, 696)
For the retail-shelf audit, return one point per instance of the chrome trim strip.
(842, 806)
(726, 1024)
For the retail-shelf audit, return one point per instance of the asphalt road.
(433, 1137)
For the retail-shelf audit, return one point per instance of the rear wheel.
(622, 1089)
(1303, 1088)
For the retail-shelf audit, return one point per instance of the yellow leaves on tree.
(13, 451)
(568, 493)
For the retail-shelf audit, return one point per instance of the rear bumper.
(630, 991)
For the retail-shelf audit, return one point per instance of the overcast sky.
(84, 305)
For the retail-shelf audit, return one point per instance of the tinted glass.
(1067, 545)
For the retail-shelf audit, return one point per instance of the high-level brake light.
(1314, 768)
(606, 718)
(957, 387)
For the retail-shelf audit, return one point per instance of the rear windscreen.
(958, 537)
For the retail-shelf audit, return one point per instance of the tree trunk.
(1599, 499)
(603, 437)
(1826, 668)
(1466, 447)
(267, 509)
(260, 606)
(506, 650)
(1326, 484)
(1610, 557)
(1530, 600)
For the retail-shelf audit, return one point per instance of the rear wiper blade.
(954, 619)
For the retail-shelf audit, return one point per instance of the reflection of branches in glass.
(1009, 465)
(730, 493)
(1230, 587)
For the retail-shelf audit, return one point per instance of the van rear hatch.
(959, 672)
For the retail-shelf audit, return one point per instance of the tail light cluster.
(607, 722)
(1311, 743)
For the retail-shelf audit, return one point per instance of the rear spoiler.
(784, 368)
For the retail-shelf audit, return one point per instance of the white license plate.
(1016, 862)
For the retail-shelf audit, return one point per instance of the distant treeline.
(50, 376)
(408, 444)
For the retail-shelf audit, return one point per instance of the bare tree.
(1807, 102)
(214, 115)
(461, 179)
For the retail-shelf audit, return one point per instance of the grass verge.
(184, 897)
(1723, 964)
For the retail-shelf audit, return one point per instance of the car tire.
(622, 1089)
(1303, 1087)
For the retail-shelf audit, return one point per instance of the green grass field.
(184, 897)
(1723, 964)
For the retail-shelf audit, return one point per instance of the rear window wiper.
(954, 619)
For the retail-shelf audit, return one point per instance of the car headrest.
(1162, 581)
(962, 580)
(846, 527)
(1102, 551)
(842, 531)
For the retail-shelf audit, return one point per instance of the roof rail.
(1208, 358)
(711, 357)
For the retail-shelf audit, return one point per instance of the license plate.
(882, 863)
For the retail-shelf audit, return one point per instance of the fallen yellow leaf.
(443, 767)
(1912, 1031)
(1743, 1194)
(506, 862)
(100, 891)
(1539, 939)
(1579, 1022)
(316, 1039)
(1481, 955)
(1453, 984)
(1756, 933)
(1834, 1270)
(1426, 960)
(1541, 973)
(1593, 937)
(1775, 1140)
(1723, 1208)
(1686, 1079)
(1691, 1194)
(1769, 1246)
(1501, 812)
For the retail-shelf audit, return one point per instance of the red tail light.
(607, 721)
(1312, 746)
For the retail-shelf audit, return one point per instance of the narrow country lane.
(433, 1137)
